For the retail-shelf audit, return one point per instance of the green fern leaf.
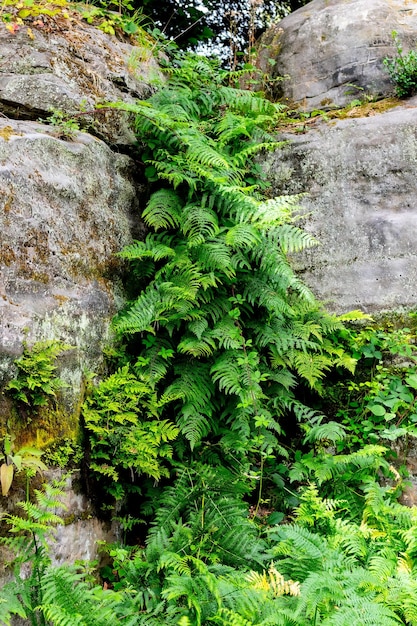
(163, 210)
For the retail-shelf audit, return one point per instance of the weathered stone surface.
(76, 539)
(66, 208)
(333, 50)
(360, 177)
(71, 67)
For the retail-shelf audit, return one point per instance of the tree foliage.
(226, 28)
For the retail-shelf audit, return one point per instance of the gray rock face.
(65, 209)
(66, 206)
(72, 68)
(333, 50)
(360, 177)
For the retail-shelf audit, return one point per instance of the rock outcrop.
(66, 210)
(70, 66)
(68, 199)
(360, 179)
(332, 51)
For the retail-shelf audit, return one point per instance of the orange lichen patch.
(8, 203)
(7, 255)
(61, 299)
(6, 132)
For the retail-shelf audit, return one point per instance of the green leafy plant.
(341, 476)
(16, 11)
(379, 402)
(63, 453)
(44, 594)
(25, 460)
(36, 383)
(125, 436)
(66, 126)
(29, 540)
(126, 20)
(403, 69)
(221, 327)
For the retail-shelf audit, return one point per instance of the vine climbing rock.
(331, 51)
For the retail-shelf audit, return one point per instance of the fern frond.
(68, 601)
(263, 293)
(242, 236)
(330, 431)
(198, 223)
(163, 210)
(194, 384)
(200, 151)
(10, 603)
(311, 367)
(228, 334)
(193, 425)
(241, 157)
(204, 346)
(170, 171)
(227, 373)
(215, 256)
(366, 612)
(294, 239)
(273, 582)
(274, 211)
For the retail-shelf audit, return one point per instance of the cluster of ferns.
(220, 342)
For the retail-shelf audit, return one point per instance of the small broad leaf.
(377, 409)
(24, 13)
(6, 478)
(411, 381)
(276, 518)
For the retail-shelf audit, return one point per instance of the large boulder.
(70, 66)
(332, 51)
(66, 209)
(69, 201)
(360, 179)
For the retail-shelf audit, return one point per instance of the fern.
(207, 501)
(69, 601)
(125, 437)
(29, 540)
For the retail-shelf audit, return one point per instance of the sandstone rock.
(70, 66)
(66, 208)
(360, 177)
(332, 50)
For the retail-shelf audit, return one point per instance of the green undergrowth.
(238, 440)
(378, 403)
(402, 69)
